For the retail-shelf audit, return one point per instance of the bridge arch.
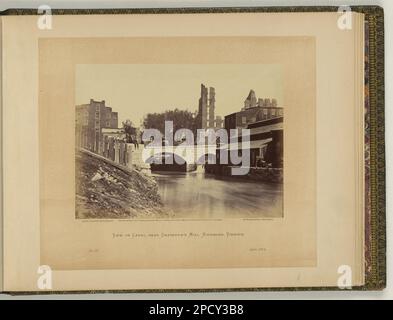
(165, 157)
(206, 158)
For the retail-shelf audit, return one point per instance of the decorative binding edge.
(377, 278)
(374, 16)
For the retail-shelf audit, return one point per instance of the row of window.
(265, 113)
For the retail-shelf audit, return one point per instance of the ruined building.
(251, 100)
(206, 109)
(254, 110)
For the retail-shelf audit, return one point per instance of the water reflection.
(198, 195)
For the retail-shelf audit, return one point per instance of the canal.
(201, 196)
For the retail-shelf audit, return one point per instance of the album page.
(225, 153)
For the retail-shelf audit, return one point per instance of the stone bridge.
(191, 154)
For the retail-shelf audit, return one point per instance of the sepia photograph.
(176, 141)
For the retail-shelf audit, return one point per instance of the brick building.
(254, 110)
(90, 119)
(265, 120)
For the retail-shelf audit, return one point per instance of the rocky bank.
(106, 190)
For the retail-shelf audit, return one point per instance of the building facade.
(254, 110)
(90, 119)
(265, 144)
(264, 119)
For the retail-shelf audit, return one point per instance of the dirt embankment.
(106, 191)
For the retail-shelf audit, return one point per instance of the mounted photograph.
(177, 148)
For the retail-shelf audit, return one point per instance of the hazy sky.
(134, 90)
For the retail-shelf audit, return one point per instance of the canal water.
(202, 196)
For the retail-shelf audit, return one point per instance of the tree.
(180, 118)
(129, 130)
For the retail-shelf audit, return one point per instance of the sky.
(133, 90)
